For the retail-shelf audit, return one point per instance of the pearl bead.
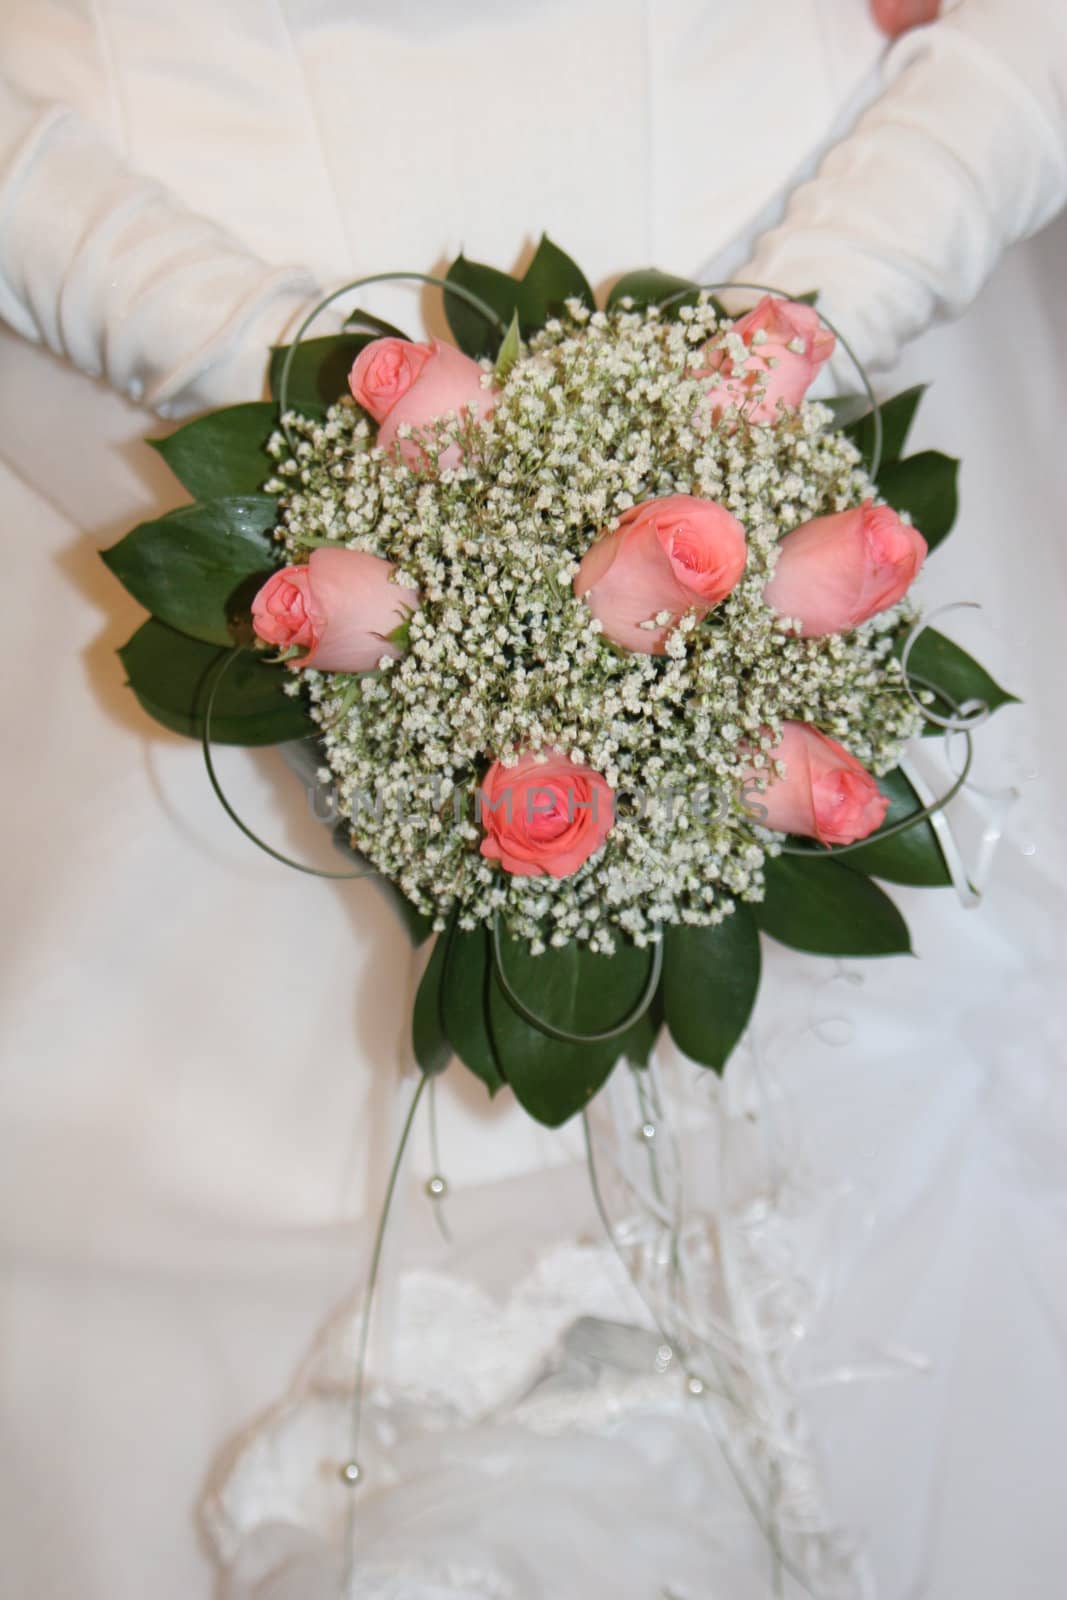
(436, 1187)
(350, 1473)
(648, 1131)
(694, 1385)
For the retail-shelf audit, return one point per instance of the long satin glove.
(108, 269)
(963, 154)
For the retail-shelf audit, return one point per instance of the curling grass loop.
(926, 812)
(225, 661)
(968, 713)
(563, 1035)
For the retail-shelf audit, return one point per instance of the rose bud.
(673, 555)
(281, 610)
(826, 794)
(773, 371)
(397, 381)
(544, 815)
(834, 572)
(341, 608)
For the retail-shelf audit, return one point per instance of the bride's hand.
(897, 16)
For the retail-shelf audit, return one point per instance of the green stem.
(359, 1386)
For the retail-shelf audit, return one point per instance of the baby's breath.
(600, 414)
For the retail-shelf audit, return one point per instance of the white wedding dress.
(204, 1054)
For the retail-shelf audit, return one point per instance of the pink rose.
(281, 611)
(544, 815)
(397, 381)
(384, 371)
(826, 794)
(835, 572)
(672, 555)
(773, 372)
(341, 608)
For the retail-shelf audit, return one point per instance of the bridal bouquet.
(601, 634)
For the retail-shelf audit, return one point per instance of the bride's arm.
(964, 153)
(110, 270)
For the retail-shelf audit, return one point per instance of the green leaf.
(199, 567)
(169, 673)
(472, 330)
(401, 634)
(367, 322)
(509, 350)
(924, 485)
(939, 662)
(823, 907)
(223, 453)
(570, 988)
(710, 980)
(550, 279)
(848, 409)
(897, 417)
(573, 990)
(319, 373)
(551, 1080)
(429, 1040)
(637, 1044)
(465, 1005)
(650, 287)
(912, 856)
(808, 298)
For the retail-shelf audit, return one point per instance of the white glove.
(110, 270)
(964, 153)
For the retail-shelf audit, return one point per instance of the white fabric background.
(201, 1050)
